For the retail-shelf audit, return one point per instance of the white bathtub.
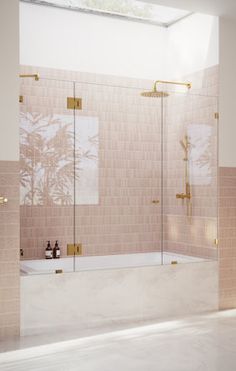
(103, 262)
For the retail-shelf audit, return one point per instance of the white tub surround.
(86, 299)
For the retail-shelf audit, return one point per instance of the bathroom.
(117, 178)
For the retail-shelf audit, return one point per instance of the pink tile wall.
(9, 250)
(227, 237)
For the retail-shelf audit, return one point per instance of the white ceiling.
(225, 8)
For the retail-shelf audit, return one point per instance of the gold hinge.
(21, 99)
(216, 241)
(74, 103)
(74, 249)
(216, 115)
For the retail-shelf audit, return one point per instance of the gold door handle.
(3, 200)
(155, 201)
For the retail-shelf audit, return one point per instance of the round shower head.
(154, 94)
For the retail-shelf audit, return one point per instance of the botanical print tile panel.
(86, 160)
(49, 161)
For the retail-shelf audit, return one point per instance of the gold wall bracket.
(74, 249)
(187, 84)
(3, 200)
(74, 103)
(34, 76)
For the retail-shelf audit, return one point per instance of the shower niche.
(119, 178)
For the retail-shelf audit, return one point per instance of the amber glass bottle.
(56, 251)
(48, 251)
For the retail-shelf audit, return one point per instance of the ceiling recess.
(132, 10)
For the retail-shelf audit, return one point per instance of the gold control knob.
(155, 201)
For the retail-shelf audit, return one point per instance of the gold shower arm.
(35, 76)
(187, 84)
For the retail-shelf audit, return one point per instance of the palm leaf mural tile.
(59, 166)
(201, 153)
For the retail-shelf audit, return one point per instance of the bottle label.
(58, 253)
(48, 254)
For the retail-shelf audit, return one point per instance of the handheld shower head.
(183, 145)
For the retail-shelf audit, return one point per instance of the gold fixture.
(217, 115)
(216, 241)
(161, 94)
(187, 84)
(58, 271)
(74, 249)
(183, 196)
(187, 194)
(74, 103)
(155, 94)
(174, 262)
(3, 200)
(155, 201)
(34, 75)
(185, 144)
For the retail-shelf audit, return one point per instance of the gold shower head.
(154, 94)
(162, 94)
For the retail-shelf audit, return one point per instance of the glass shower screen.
(47, 185)
(118, 176)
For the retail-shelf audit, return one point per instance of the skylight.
(132, 9)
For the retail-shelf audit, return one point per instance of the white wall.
(71, 40)
(192, 45)
(9, 80)
(227, 130)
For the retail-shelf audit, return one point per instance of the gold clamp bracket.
(3, 200)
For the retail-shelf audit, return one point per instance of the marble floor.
(199, 343)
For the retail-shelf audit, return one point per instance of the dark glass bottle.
(56, 251)
(48, 251)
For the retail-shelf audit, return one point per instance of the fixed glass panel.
(46, 175)
(190, 178)
(118, 219)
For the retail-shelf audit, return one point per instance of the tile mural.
(51, 153)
